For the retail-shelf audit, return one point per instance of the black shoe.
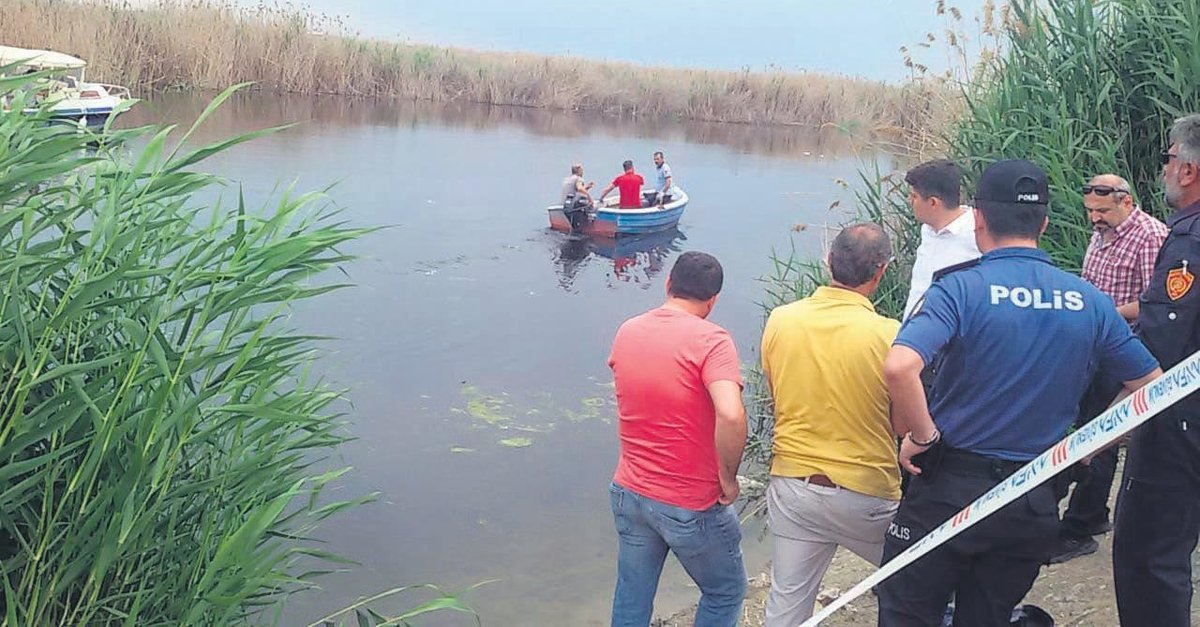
(1071, 548)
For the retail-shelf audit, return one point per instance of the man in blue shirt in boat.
(666, 184)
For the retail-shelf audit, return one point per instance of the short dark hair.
(940, 178)
(658, 153)
(1010, 219)
(858, 252)
(696, 276)
(628, 165)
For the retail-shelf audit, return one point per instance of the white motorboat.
(65, 94)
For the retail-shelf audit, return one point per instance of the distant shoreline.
(206, 45)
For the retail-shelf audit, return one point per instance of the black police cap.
(1013, 182)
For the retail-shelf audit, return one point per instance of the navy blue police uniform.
(1158, 506)
(1018, 342)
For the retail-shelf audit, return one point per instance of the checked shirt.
(1122, 267)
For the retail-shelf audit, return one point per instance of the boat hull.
(611, 221)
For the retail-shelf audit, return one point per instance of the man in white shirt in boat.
(573, 185)
(947, 226)
(666, 184)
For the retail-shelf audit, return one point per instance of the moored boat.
(609, 220)
(65, 95)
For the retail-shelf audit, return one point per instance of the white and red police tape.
(1105, 429)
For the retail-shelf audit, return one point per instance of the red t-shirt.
(662, 362)
(630, 184)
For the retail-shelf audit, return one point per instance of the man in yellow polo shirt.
(834, 477)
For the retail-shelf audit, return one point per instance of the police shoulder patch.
(970, 263)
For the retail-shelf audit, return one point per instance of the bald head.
(858, 253)
(1108, 202)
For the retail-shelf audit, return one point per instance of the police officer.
(1020, 340)
(1158, 506)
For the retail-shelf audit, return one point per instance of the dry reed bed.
(206, 44)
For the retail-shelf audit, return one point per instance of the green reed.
(163, 446)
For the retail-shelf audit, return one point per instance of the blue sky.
(857, 37)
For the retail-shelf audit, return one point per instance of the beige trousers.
(808, 523)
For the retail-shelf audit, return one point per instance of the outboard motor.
(576, 210)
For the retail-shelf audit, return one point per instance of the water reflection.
(248, 111)
(635, 259)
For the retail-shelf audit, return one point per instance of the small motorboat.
(608, 220)
(65, 95)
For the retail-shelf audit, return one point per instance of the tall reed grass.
(210, 44)
(159, 433)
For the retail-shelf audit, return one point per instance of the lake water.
(474, 342)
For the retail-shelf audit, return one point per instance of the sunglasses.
(1103, 190)
(1166, 156)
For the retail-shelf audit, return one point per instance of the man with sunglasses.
(1158, 507)
(1119, 261)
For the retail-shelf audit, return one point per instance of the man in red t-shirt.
(682, 428)
(630, 184)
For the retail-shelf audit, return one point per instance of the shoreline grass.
(208, 44)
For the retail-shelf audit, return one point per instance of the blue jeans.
(707, 544)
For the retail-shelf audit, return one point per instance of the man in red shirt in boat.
(630, 184)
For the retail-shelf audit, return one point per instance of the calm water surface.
(475, 339)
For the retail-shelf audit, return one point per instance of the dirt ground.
(1078, 593)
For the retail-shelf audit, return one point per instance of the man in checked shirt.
(1119, 261)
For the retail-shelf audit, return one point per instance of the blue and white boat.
(609, 220)
(65, 94)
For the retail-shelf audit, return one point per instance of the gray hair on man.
(577, 168)
(1186, 133)
(858, 252)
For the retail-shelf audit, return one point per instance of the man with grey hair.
(1158, 507)
(834, 476)
(574, 187)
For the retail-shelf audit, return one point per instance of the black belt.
(968, 463)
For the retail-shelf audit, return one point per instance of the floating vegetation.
(540, 414)
(488, 409)
(461, 449)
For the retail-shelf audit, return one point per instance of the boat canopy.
(39, 59)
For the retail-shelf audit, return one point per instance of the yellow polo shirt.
(823, 357)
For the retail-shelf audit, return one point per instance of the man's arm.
(580, 188)
(1129, 310)
(605, 192)
(910, 410)
(666, 185)
(730, 434)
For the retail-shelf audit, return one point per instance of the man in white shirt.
(666, 183)
(947, 226)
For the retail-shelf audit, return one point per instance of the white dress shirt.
(955, 243)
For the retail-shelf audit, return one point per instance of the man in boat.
(835, 480)
(682, 428)
(1158, 510)
(1120, 262)
(1019, 340)
(630, 185)
(574, 188)
(665, 190)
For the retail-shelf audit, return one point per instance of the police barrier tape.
(1105, 429)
